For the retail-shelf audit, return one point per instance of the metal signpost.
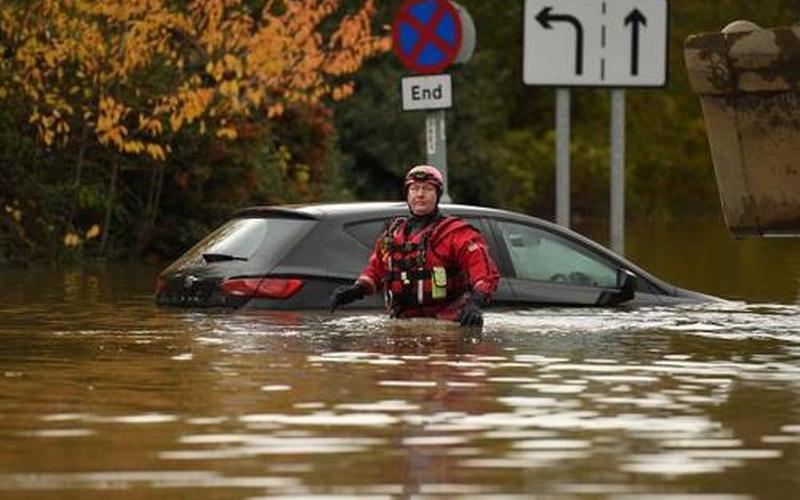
(595, 43)
(562, 155)
(429, 36)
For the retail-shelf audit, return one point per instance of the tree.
(117, 80)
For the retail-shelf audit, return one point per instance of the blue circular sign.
(427, 35)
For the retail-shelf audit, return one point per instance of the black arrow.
(635, 19)
(545, 17)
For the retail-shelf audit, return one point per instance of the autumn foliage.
(136, 72)
(134, 77)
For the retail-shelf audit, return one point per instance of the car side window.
(366, 232)
(540, 255)
(474, 222)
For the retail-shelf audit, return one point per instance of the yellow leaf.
(133, 147)
(93, 232)
(227, 133)
(255, 96)
(156, 152)
(72, 240)
(175, 121)
(275, 110)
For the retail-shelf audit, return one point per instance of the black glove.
(472, 315)
(346, 294)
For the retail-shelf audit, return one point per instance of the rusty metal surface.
(749, 88)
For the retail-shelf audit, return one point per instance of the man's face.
(421, 198)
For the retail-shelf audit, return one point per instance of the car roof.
(320, 211)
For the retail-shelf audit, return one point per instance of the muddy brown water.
(104, 395)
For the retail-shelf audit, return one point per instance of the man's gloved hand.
(346, 294)
(472, 315)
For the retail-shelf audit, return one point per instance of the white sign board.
(427, 92)
(607, 43)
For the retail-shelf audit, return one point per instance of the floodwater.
(104, 395)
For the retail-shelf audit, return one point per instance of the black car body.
(293, 257)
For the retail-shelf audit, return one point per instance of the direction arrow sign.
(545, 17)
(612, 43)
(427, 35)
(635, 19)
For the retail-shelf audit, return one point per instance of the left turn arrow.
(545, 18)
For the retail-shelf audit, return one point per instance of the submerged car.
(294, 257)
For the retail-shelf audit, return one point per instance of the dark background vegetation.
(500, 150)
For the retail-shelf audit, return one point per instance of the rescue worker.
(428, 264)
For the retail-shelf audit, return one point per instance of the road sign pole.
(428, 36)
(617, 215)
(436, 145)
(562, 155)
(612, 44)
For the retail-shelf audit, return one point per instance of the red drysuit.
(427, 273)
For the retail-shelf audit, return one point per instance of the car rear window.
(245, 239)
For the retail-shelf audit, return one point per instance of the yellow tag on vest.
(439, 283)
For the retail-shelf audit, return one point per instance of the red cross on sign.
(427, 35)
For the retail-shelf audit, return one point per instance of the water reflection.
(119, 396)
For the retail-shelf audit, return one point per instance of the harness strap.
(404, 247)
(421, 274)
(404, 265)
(388, 238)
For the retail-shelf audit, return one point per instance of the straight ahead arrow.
(545, 17)
(635, 19)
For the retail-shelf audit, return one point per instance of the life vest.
(419, 272)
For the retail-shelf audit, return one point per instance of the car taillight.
(265, 288)
(160, 285)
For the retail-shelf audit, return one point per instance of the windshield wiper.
(221, 257)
